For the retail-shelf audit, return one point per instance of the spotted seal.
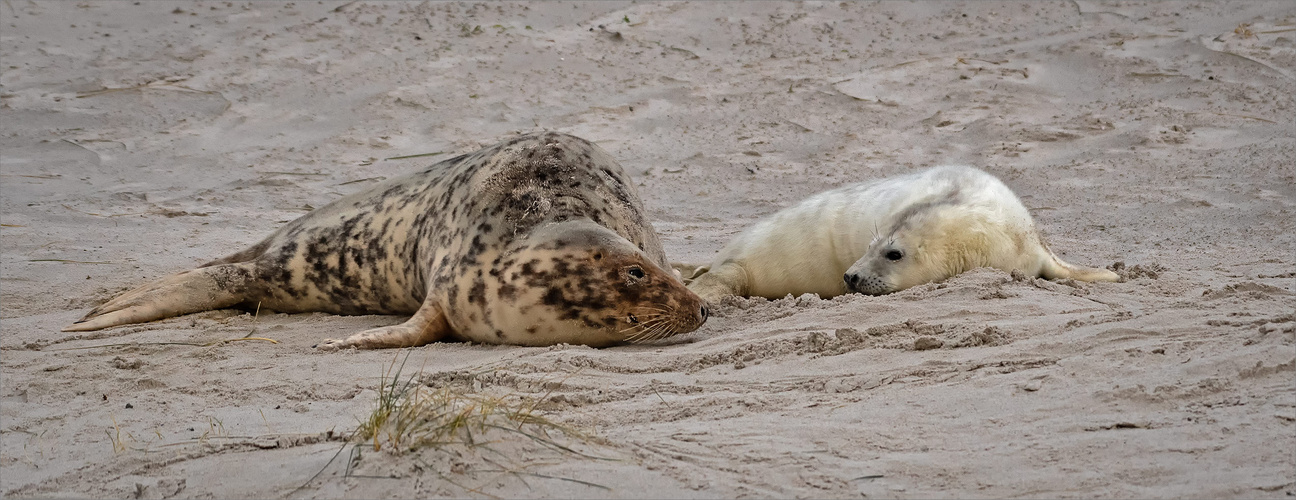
(884, 236)
(536, 241)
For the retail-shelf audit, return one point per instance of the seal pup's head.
(934, 242)
(581, 283)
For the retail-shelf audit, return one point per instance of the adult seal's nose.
(705, 313)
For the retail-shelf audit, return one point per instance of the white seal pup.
(884, 236)
(536, 241)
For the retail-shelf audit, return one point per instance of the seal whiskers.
(650, 323)
(650, 330)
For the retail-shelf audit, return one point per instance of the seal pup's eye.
(894, 255)
(598, 255)
(635, 272)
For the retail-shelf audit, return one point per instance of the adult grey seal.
(536, 241)
(884, 236)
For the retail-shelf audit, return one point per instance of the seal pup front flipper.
(203, 289)
(688, 272)
(728, 279)
(428, 325)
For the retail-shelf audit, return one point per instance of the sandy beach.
(1156, 139)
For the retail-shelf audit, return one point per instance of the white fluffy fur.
(944, 220)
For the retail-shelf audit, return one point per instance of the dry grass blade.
(194, 344)
(420, 155)
(443, 477)
(274, 172)
(362, 180)
(322, 469)
(545, 476)
(549, 442)
(152, 85)
(68, 261)
(95, 214)
(1266, 120)
(115, 437)
(34, 176)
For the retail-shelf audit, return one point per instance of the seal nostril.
(850, 279)
(705, 312)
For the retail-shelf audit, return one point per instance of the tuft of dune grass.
(410, 416)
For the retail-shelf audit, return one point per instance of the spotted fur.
(531, 241)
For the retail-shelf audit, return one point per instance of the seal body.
(538, 240)
(884, 236)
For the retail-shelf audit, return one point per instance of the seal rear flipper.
(688, 272)
(197, 290)
(428, 325)
(728, 279)
(1055, 268)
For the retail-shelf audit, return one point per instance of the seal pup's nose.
(852, 281)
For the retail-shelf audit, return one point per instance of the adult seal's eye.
(894, 255)
(635, 272)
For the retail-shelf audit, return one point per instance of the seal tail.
(202, 289)
(1055, 268)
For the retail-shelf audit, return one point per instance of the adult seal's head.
(576, 278)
